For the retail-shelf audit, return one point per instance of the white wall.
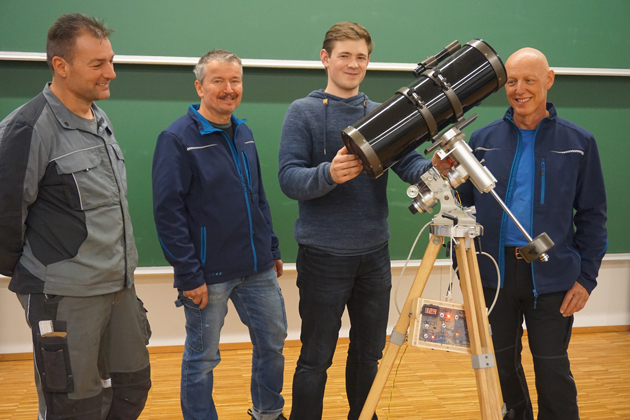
(609, 304)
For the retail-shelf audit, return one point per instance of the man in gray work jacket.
(67, 240)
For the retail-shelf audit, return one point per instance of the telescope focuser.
(434, 60)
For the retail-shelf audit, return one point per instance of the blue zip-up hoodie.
(567, 178)
(344, 219)
(210, 209)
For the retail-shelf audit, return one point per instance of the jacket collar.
(69, 119)
(203, 124)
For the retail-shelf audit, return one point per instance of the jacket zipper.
(542, 201)
(507, 194)
(249, 211)
(247, 171)
(203, 246)
(542, 182)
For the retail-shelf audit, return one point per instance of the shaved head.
(529, 79)
(528, 57)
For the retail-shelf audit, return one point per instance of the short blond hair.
(346, 30)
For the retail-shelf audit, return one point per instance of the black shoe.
(280, 417)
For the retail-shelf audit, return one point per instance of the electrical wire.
(449, 291)
(391, 394)
(496, 295)
(405, 266)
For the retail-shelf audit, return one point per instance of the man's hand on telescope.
(442, 165)
(345, 166)
(574, 300)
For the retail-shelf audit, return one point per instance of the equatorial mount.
(454, 220)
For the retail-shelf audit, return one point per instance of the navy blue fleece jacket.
(211, 213)
(568, 201)
(344, 219)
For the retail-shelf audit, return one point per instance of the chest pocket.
(88, 179)
(120, 165)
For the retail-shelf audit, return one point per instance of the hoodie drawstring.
(325, 101)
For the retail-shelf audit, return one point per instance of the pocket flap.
(118, 151)
(78, 161)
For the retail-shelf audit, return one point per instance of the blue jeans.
(548, 334)
(259, 303)
(328, 284)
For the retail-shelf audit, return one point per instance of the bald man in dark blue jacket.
(548, 172)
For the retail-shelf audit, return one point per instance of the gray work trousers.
(90, 354)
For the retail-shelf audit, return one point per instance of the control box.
(438, 325)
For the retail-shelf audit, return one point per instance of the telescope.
(443, 92)
(447, 86)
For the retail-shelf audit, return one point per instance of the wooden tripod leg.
(482, 352)
(480, 302)
(400, 331)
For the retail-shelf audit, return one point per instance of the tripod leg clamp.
(397, 338)
(482, 361)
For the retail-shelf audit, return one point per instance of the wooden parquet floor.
(428, 385)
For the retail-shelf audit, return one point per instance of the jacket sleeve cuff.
(589, 285)
(190, 282)
(327, 175)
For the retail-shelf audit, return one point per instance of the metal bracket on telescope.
(424, 111)
(460, 125)
(440, 81)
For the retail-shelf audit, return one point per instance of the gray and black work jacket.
(64, 219)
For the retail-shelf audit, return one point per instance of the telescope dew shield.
(416, 114)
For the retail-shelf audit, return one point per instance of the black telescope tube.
(435, 99)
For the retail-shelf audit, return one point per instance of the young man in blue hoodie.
(214, 224)
(550, 176)
(342, 230)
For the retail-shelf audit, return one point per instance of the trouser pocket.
(54, 365)
(144, 321)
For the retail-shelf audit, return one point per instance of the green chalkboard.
(573, 33)
(145, 99)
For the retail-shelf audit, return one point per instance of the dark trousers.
(548, 334)
(91, 359)
(328, 284)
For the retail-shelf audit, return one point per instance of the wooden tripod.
(486, 374)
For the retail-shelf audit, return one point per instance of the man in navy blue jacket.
(549, 174)
(214, 224)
